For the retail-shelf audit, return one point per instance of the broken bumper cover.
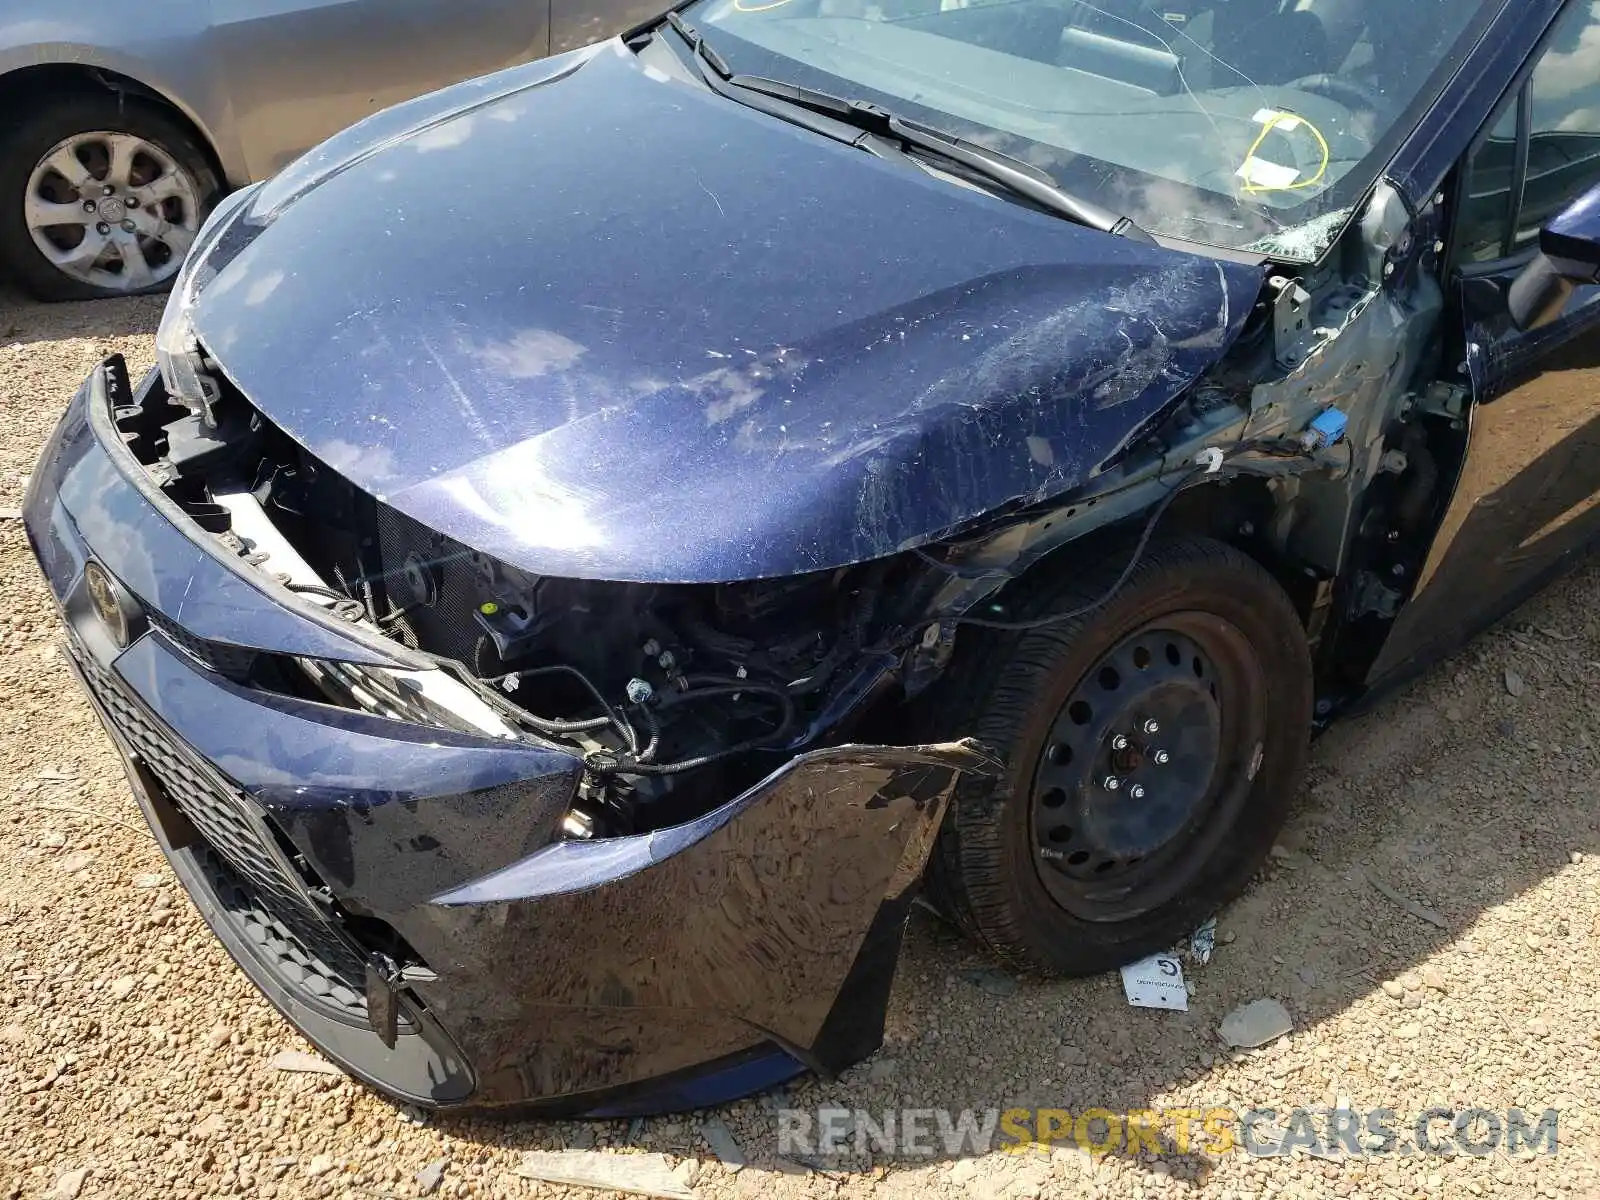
(668, 970)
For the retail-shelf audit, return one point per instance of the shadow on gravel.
(24, 321)
(1446, 800)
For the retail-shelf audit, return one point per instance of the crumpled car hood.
(600, 324)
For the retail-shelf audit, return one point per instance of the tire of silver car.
(1154, 747)
(100, 196)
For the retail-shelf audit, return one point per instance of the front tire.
(100, 195)
(1153, 748)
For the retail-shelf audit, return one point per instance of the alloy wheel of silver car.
(112, 210)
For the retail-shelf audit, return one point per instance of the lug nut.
(1119, 742)
(1111, 783)
(109, 190)
(88, 206)
(1151, 725)
(1161, 758)
(132, 202)
(128, 227)
(1137, 791)
(102, 229)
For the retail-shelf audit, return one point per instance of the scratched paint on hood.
(616, 327)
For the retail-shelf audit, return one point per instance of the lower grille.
(257, 888)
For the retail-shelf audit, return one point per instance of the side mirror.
(1569, 257)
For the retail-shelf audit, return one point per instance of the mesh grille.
(445, 626)
(255, 884)
(232, 661)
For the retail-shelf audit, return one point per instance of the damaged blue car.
(832, 450)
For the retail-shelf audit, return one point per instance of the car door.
(298, 71)
(1526, 505)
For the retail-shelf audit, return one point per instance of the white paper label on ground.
(1156, 982)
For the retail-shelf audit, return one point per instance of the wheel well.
(65, 79)
(1238, 512)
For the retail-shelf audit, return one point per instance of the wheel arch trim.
(49, 66)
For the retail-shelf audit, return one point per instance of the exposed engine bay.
(647, 682)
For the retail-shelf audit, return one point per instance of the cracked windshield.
(1248, 124)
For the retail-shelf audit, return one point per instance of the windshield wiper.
(1010, 173)
(717, 74)
(698, 46)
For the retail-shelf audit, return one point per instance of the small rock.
(1280, 852)
(1411, 982)
(1409, 1031)
(298, 1060)
(122, 988)
(1575, 857)
(722, 1142)
(882, 1070)
(77, 861)
(53, 839)
(219, 1035)
(996, 983)
(1394, 988)
(320, 1165)
(211, 1127)
(1256, 1024)
(150, 880)
(582, 1138)
(1533, 941)
(1452, 714)
(70, 1183)
(1514, 683)
(1226, 937)
(1538, 1028)
(1433, 977)
(963, 1171)
(1411, 1000)
(687, 1172)
(429, 1178)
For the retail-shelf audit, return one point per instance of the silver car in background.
(121, 124)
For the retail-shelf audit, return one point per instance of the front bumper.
(628, 975)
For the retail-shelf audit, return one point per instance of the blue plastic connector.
(1327, 429)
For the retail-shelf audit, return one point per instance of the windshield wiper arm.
(1010, 173)
(698, 45)
(716, 73)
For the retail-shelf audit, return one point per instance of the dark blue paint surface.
(617, 327)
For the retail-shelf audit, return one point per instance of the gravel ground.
(135, 1060)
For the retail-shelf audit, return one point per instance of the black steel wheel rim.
(1147, 766)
